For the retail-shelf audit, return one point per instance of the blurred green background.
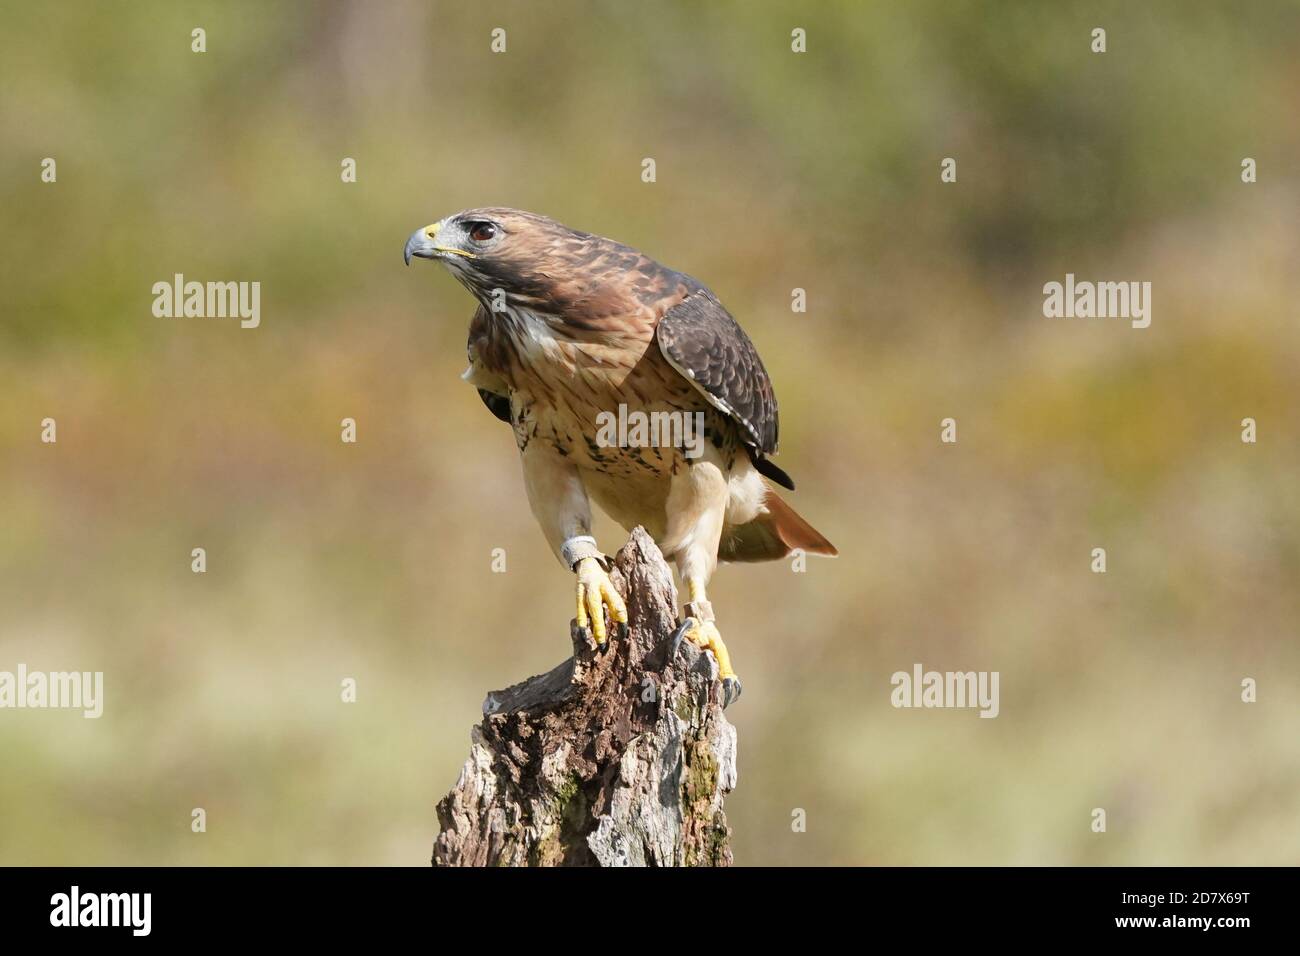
(775, 171)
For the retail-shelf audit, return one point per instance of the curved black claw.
(585, 632)
(675, 639)
(619, 630)
(731, 688)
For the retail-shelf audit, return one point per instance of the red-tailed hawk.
(578, 340)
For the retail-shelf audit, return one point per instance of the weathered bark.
(610, 759)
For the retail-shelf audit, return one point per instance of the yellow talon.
(705, 636)
(582, 608)
(596, 592)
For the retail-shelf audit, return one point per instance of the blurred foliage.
(775, 170)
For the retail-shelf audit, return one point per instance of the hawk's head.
(541, 265)
(495, 247)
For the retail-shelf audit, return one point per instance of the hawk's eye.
(482, 231)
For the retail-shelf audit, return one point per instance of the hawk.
(573, 329)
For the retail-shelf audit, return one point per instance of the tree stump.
(619, 758)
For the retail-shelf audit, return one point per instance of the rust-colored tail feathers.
(773, 535)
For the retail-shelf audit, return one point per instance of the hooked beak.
(422, 245)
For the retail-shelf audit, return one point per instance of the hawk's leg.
(596, 592)
(697, 508)
(559, 502)
(700, 629)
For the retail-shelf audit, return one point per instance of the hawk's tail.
(775, 533)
